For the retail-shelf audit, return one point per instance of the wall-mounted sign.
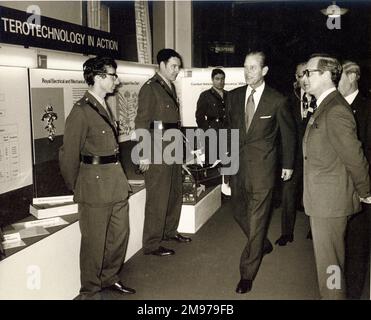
(222, 47)
(22, 28)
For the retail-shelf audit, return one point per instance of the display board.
(15, 130)
(191, 82)
(125, 101)
(53, 93)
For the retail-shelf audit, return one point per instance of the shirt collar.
(350, 98)
(258, 90)
(324, 95)
(165, 80)
(98, 98)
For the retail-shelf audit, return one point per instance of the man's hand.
(286, 174)
(366, 200)
(144, 165)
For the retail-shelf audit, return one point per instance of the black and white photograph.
(185, 156)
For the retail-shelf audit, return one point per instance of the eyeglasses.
(308, 72)
(114, 75)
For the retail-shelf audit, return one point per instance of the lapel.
(241, 95)
(165, 86)
(96, 105)
(260, 109)
(320, 109)
(217, 95)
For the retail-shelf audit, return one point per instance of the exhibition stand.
(48, 266)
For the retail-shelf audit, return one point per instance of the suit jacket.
(335, 169)
(211, 111)
(258, 147)
(362, 112)
(87, 133)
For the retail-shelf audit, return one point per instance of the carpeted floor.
(208, 267)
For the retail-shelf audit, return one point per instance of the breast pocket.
(101, 139)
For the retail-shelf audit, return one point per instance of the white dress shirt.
(350, 98)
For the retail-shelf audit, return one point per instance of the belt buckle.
(95, 160)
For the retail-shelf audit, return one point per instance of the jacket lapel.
(100, 109)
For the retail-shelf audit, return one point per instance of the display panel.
(53, 93)
(15, 130)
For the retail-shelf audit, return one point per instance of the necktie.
(250, 109)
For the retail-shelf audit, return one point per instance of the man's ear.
(352, 77)
(265, 70)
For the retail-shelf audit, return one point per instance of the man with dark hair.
(261, 115)
(90, 166)
(335, 173)
(357, 249)
(210, 112)
(158, 109)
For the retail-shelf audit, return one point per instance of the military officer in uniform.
(210, 112)
(158, 108)
(90, 165)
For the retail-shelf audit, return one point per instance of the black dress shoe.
(118, 286)
(161, 252)
(282, 240)
(178, 237)
(267, 248)
(244, 286)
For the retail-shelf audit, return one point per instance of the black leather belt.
(100, 159)
(165, 125)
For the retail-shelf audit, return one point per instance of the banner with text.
(30, 30)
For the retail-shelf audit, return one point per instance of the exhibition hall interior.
(43, 47)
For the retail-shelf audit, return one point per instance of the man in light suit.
(357, 249)
(89, 163)
(261, 115)
(335, 173)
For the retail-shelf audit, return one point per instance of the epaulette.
(149, 81)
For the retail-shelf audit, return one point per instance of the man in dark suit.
(301, 106)
(357, 254)
(261, 115)
(90, 166)
(158, 106)
(335, 173)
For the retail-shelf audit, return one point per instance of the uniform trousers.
(104, 238)
(163, 204)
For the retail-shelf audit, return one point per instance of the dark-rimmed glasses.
(308, 72)
(114, 75)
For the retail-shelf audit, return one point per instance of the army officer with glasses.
(90, 165)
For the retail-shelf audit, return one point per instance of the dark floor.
(208, 267)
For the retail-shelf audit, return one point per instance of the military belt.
(100, 159)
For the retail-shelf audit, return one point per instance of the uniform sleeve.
(342, 133)
(201, 112)
(146, 101)
(73, 141)
(288, 134)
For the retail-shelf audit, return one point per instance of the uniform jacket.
(86, 133)
(157, 102)
(211, 111)
(335, 169)
(258, 147)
